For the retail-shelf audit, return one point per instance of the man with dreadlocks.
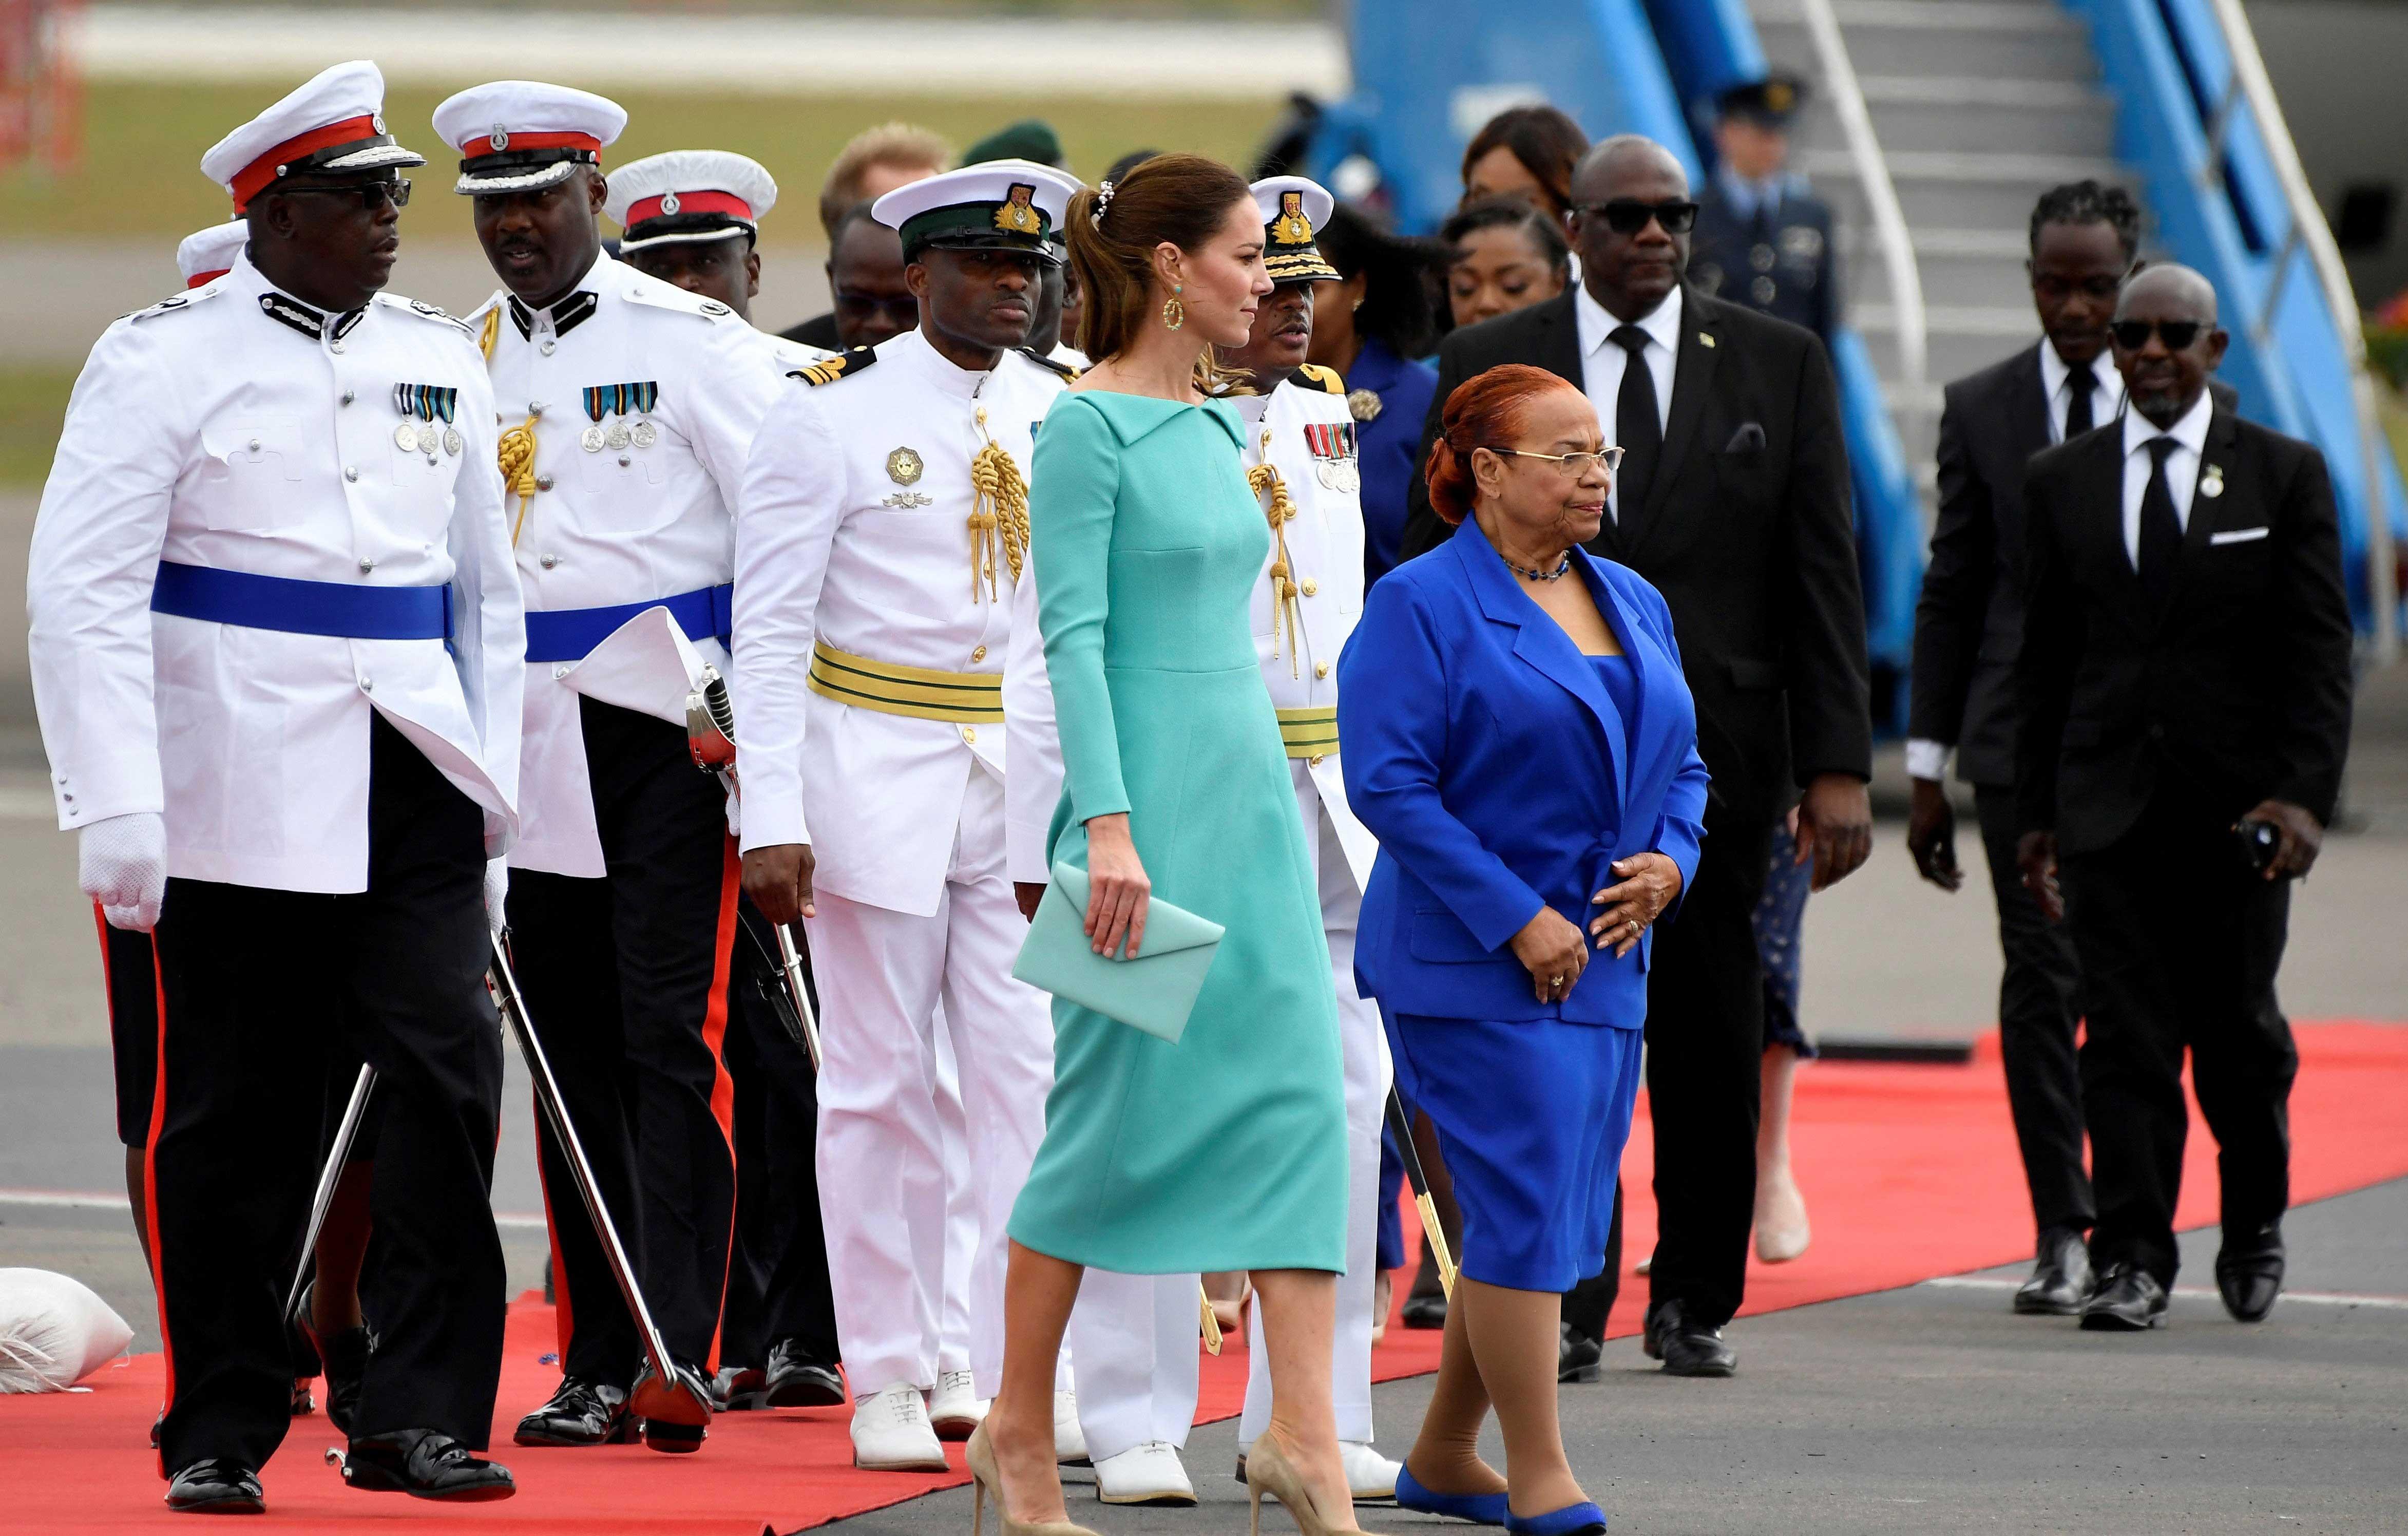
(881, 531)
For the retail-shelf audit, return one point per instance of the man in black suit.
(1968, 626)
(2184, 678)
(1733, 500)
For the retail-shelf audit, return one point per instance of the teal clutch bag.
(1155, 992)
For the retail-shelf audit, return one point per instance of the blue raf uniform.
(1766, 243)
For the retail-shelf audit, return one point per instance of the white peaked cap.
(334, 125)
(686, 195)
(518, 135)
(207, 252)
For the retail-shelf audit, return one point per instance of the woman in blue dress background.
(1516, 731)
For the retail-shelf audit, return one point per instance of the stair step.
(1906, 39)
(1951, 189)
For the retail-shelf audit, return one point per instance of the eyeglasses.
(1629, 215)
(1576, 465)
(2133, 334)
(373, 195)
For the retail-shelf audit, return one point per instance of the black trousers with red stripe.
(627, 980)
(263, 990)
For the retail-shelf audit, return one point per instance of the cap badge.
(376, 121)
(1292, 227)
(500, 138)
(1017, 213)
(903, 466)
(669, 203)
(1778, 97)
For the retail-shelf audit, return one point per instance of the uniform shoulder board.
(669, 295)
(426, 311)
(843, 366)
(1314, 376)
(181, 301)
(1049, 365)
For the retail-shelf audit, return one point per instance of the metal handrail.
(2309, 230)
(1889, 219)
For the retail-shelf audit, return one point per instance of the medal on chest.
(420, 407)
(1335, 459)
(616, 401)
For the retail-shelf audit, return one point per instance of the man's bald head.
(1629, 274)
(2165, 341)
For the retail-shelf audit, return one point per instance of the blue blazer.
(1481, 751)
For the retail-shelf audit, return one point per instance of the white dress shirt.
(1602, 360)
(2182, 466)
(2057, 383)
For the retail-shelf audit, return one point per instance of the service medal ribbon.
(597, 403)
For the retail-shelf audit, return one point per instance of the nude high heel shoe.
(1269, 1472)
(985, 1479)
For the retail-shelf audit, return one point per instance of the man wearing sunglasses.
(275, 650)
(1968, 624)
(1732, 499)
(2184, 679)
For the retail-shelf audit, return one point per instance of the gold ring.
(1555, 980)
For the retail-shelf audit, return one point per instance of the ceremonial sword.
(345, 1133)
(1410, 1156)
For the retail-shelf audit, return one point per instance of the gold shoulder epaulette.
(1048, 363)
(1314, 375)
(828, 370)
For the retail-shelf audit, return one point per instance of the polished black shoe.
(346, 1355)
(1427, 1313)
(156, 1425)
(797, 1380)
(582, 1413)
(1576, 1360)
(2060, 1281)
(2249, 1274)
(1687, 1348)
(739, 1388)
(675, 1413)
(424, 1464)
(2128, 1301)
(218, 1486)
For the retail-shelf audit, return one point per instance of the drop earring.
(1174, 314)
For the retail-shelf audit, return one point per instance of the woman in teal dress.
(1227, 1150)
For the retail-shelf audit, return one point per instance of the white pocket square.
(2237, 536)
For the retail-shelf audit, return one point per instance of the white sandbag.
(54, 1331)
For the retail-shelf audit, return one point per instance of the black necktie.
(1636, 427)
(2082, 381)
(2161, 534)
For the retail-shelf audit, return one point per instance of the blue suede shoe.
(1561, 1522)
(1483, 1509)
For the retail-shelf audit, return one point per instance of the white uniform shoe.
(1370, 1475)
(891, 1432)
(1069, 1441)
(1149, 1473)
(955, 1409)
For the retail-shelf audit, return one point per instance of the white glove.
(497, 886)
(121, 863)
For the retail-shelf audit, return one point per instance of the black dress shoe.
(425, 1464)
(1687, 1348)
(346, 1355)
(798, 1378)
(1424, 1312)
(218, 1484)
(2128, 1301)
(2060, 1281)
(675, 1413)
(582, 1413)
(1577, 1358)
(2249, 1274)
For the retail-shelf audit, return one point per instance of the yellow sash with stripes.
(1310, 733)
(963, 698)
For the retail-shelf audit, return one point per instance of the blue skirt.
(1531, 1116)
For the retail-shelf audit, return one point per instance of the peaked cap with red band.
(522, 136)
(687, 195)
(332, 126)
(207, 254)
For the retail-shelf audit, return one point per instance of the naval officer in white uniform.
(881, 538)
(276, 653)
(630, 405)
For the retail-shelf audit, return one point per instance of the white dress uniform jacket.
(625, 524)
(840, 541)
(207, 432)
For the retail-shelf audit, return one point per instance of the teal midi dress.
(1228, 1150)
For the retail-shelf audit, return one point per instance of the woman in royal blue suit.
(1516, 732)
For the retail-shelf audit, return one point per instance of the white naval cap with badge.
(686, 196)
(332, 125)
(524, 135)
(1294, 208)
(995, 205)
(209, 254)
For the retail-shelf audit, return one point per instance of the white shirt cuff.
(1926, 759)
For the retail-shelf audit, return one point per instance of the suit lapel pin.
(1705, 338)
(2211, 484)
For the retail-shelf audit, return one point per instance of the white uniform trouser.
(882, 976)
(1135, 1335)
(962, 1224)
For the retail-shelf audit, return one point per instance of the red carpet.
(1909, 1172)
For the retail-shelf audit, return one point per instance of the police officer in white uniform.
(881, 539)
(629, 404)
(693, 217)
(277, 654)
(1301, 458)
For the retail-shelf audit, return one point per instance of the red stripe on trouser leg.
(563, 1318)
(723, 1086)
(151, 1189)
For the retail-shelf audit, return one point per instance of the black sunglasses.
(2132, 335)
(372, 194)
(1629, 215)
